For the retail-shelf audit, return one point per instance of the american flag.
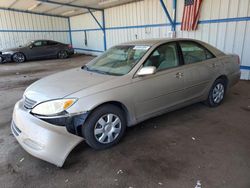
(191, 14)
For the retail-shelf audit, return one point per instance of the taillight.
(69, 46)
(238, 59)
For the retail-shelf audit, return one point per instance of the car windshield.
(118, 60)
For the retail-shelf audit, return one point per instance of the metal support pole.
(104, 31)
(70, 33)
(174, 13)
(102, 26)
(67, 4)
(167, 14)
(95, 19)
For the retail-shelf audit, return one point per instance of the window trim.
(51, 41)
(199, 45)
(36, 42)
(42, 43)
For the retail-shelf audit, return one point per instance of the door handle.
(179, 75)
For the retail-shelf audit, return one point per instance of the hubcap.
(107, 128)
(62, 54)
(218, 93)
(19, 58)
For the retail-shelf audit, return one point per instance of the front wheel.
(105, 127)
(18, 57)
(217, 93)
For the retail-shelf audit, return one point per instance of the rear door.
(164, 89)
(200, 68)
(52, 48)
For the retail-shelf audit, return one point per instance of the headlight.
(4, 53)
(53, 107)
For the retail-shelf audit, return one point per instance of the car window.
(40, 43)
(193, 52)
(51, 43)
(164, 57)
(37, 43)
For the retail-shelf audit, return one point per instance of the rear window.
(50, 43)
(193, 52)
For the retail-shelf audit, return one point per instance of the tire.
(216, 93)
(18, 57)
(63, 54)
(104, 127)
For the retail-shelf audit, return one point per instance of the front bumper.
(41, 139)
(6, 57)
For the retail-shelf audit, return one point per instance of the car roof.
(44, 40)
(159, 41)
(151, 42)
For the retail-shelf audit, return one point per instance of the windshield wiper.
(97, 71)
(85, 67)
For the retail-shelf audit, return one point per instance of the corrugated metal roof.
(48, 7)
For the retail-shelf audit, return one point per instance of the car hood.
(11, 49)
(63, 84)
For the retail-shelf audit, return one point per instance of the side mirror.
(146, 71)
(31, 46)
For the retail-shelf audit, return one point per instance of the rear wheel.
(217, 93)
(105, 127)
(63, 54)
(18, 57)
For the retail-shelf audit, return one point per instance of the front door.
(38, 50)
(164, 89)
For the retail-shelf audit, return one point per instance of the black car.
(38, 49)
(2, 59)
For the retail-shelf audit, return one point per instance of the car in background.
(38, 49)
(128, 84)
(2, 58)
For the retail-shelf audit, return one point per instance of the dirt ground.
(174, 150)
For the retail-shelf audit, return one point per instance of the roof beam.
(13, 3)
(167, 13)
(31, 12)
(69, 5)
(49, 10)
(95, 19)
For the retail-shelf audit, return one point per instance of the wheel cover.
(62, 54)
(107, 128)
(218, 93)
(19, 57)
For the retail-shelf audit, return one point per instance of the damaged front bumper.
(5, 58)
(42, 139)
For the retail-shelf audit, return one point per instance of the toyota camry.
(127, 84)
